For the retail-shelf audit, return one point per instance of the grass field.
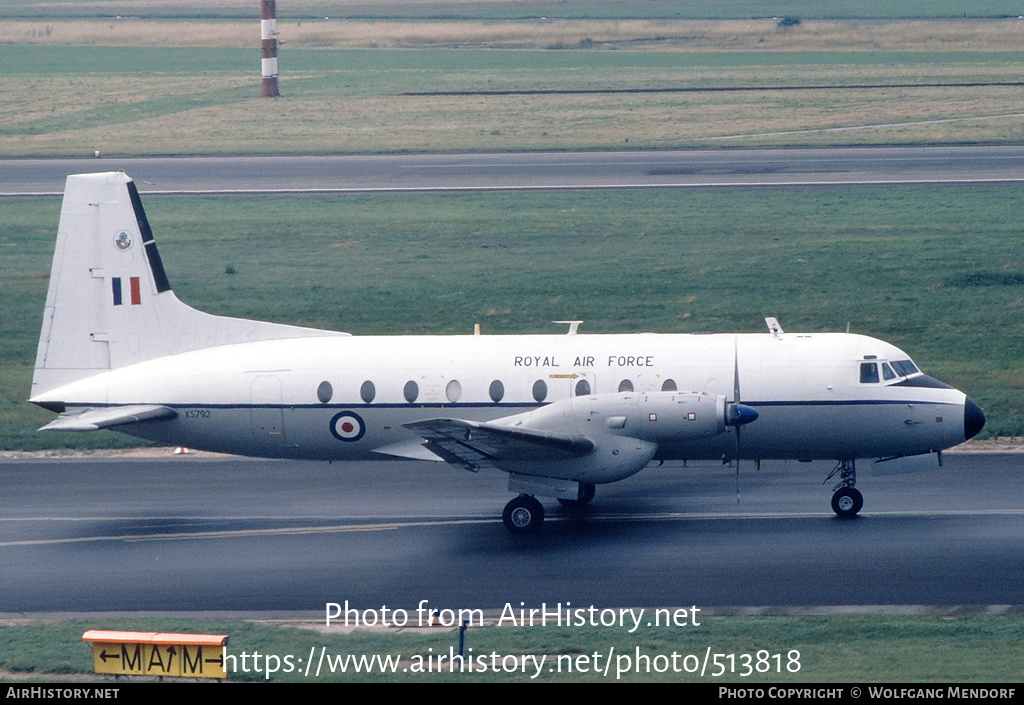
(203, 101)
(935, 270)
(518, 9)
(835, 649)
(760, 35)
(176, 87)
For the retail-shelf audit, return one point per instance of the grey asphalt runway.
(186, 534)
(770, 167)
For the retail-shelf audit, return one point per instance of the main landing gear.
(846, 500)
(523, 515)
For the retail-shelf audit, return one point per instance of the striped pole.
(268, 34)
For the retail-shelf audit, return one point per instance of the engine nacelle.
(650, 416)
(657, 417)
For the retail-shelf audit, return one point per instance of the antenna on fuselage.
(574, 326)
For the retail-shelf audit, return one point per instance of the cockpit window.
(868, 373)
(887, 372)
(905, 368)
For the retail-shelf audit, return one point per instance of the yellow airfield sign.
(157, 654)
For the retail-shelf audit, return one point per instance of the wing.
(477, 445)
(91, 419)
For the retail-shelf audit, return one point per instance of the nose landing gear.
(846, 500)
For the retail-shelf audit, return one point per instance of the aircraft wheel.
(847, 502)
(586, 494)
(523, 515)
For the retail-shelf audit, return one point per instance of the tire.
(847, 501)
(523, 515)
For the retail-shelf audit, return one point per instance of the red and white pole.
(268, 34)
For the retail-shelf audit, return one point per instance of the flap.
(477, 444)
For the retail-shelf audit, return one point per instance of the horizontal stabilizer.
(91, 419)
(477, 444)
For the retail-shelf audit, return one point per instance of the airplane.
(559, 413)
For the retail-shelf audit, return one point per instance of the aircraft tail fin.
(109, 302)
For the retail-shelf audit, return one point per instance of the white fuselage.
(269, 398)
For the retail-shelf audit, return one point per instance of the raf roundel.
(347, 426)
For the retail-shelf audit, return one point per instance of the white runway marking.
(392, 525)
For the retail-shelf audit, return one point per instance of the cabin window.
(540, 390)
(324, 392)
(496, 390)
(626, 385)
(868, 373)
(453, 391)
(887, 372)
(583, 388)
(367, 391)
(411, 391)
(669, 385)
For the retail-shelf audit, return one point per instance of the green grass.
(160, 100)
(38, 59)
(934, 270)
(832, 649)
(466, 9)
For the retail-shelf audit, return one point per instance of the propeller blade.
(735, 371)
(734, 414)
(738, 414)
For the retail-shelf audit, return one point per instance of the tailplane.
(110, 303)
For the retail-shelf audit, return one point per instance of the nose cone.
(974, 419)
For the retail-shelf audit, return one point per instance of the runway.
(246, 536)
(590, 170)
